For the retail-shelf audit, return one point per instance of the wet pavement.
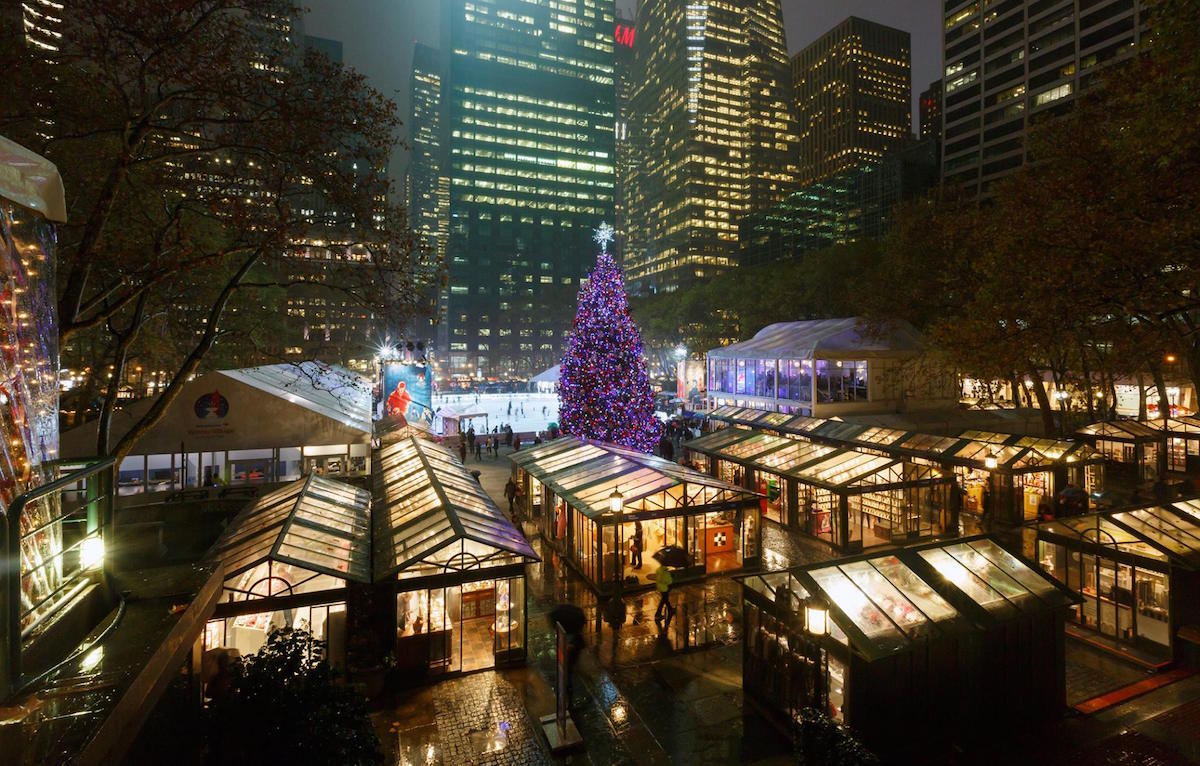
(650, 696)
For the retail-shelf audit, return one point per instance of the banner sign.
(408, 391)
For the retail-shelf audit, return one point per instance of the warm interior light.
(816, 618)
(990, 461)
(91, 553)
(616, 501)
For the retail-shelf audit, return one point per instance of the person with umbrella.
(663, 580)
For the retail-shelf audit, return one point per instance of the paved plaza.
(648, 696)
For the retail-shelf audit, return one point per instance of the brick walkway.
(480, 720)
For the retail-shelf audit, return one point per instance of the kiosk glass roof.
(432, 501)
(315, 523)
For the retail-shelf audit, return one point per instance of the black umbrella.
(569, 616)
(672, 556)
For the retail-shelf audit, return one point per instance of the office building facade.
(527, 126)
(1010, 63)
(426, 187)
(624, 42)
(930, 105)
(853, 97)
(713, 131)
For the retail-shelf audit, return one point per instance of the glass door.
(508, 627)
(477, 621)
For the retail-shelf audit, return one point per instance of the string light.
(604, 389)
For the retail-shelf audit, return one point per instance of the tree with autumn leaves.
(209, 164)
(1083, 265)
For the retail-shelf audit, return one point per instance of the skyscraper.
(711, 122)
(625, 39)
(931, 111)
(426, 190)
(1012, 62)
(527, 126)
(853, 97)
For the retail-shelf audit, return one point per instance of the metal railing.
(74, 508)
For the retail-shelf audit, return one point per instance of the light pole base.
(562, 739)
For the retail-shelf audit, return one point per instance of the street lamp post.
(816, 625)
(616, 505)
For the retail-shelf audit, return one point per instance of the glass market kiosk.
(1016, 476)
(569, 484)
(1136, 570)
(1138, 449)
(456, 563)
(850, 498)
(287, 560)
(914, 649)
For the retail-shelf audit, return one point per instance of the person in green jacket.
(663, 579)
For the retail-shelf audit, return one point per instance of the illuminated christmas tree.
(604, 390)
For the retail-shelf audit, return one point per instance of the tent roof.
(326, 389)
(547, 376)
(315, 523)
(31, 181)
(431, 501)
(844, 338)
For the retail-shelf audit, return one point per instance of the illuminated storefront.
(1013, 478)
(456, 563)
(1130, 446)
(715, 523)
(287, 560)
(1136, 570)
(255, 425)
(966, 629)
(1183, 444)
(825, 368)
(851, 499)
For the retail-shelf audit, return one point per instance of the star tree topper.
(603, 236)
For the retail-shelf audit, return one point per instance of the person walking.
(516, 444)
(471, 439)
(462, 450)
(636, 558)
(478, 451)
(510, 492)
(662, 581)
(495, 447)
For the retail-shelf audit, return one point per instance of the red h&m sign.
(624, 35)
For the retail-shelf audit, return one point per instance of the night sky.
(378, 35)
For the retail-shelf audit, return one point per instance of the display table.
(421, 651)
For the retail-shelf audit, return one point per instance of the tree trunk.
(120, 356)
(1141, 397)
(1160, 383)
(1049, 427)
(1087, 386)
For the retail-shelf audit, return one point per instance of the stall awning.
(316, 524)
(431, 503)
(1131, 431)
(586, 473)
(845, 338)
